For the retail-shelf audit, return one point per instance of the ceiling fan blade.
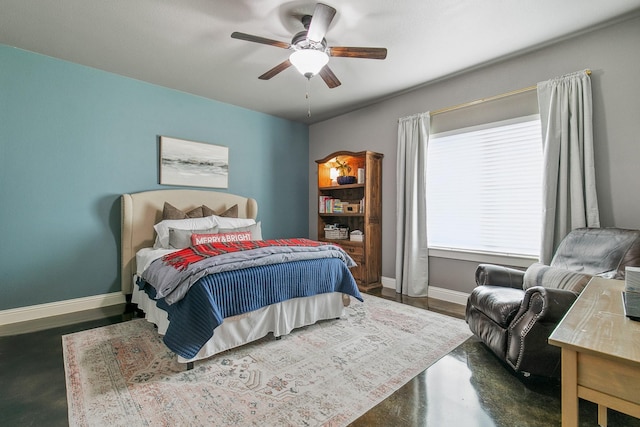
(275, 70)
(329, 78)
(257, 39)
(320, 21)
(359, 52)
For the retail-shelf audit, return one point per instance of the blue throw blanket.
(229, 293)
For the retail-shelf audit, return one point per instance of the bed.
(142, 211)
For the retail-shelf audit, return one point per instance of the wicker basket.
(336, 234)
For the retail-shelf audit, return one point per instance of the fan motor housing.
(300, 41)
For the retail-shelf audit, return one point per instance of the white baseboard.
(388, 282)
(448, 295)
(40, 311)
(442, 294)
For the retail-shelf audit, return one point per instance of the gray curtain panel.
(569, 184)
(412, 252)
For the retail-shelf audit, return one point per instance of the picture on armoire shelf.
(193, 164)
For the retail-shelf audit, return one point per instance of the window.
(484, 188)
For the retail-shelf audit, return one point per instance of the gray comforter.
(172, 284)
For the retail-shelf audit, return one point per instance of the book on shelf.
(328, 204)
(322, 204)
(632, 279)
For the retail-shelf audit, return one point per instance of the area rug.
(327, 374)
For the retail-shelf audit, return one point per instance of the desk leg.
(569, 388)
(602, 415)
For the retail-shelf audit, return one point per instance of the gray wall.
(611, 52)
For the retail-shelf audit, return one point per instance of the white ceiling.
(186, 44)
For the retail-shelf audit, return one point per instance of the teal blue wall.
(73, 139)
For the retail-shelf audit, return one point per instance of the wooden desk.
(600, 353)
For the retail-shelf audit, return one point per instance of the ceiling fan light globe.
(309, 62)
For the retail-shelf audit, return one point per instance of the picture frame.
(193, 164)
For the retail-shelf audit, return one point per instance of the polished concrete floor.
(467, 387)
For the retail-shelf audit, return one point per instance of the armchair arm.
(497, 275)
(541, 310)
(547, 304)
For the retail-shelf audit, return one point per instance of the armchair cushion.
(498, 303)
(599, 251)
(556, 278)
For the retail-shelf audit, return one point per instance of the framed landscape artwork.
(193, 164)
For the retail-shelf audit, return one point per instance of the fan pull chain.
(308, 97)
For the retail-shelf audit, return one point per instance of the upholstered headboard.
(141, 211)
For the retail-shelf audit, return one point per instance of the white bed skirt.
(280, 319)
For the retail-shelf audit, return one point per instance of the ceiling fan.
(310, 51)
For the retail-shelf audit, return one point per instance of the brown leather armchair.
(513, 311)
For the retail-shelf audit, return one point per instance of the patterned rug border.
(327, 374)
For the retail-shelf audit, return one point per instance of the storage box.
(336, 233)
(351, 208)
(356, 236)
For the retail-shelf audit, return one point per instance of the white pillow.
(162, 228)
(225, 222)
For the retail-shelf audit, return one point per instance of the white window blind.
(484, 188)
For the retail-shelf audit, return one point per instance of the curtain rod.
(491, 98)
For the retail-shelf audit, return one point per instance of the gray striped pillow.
(549, 277)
